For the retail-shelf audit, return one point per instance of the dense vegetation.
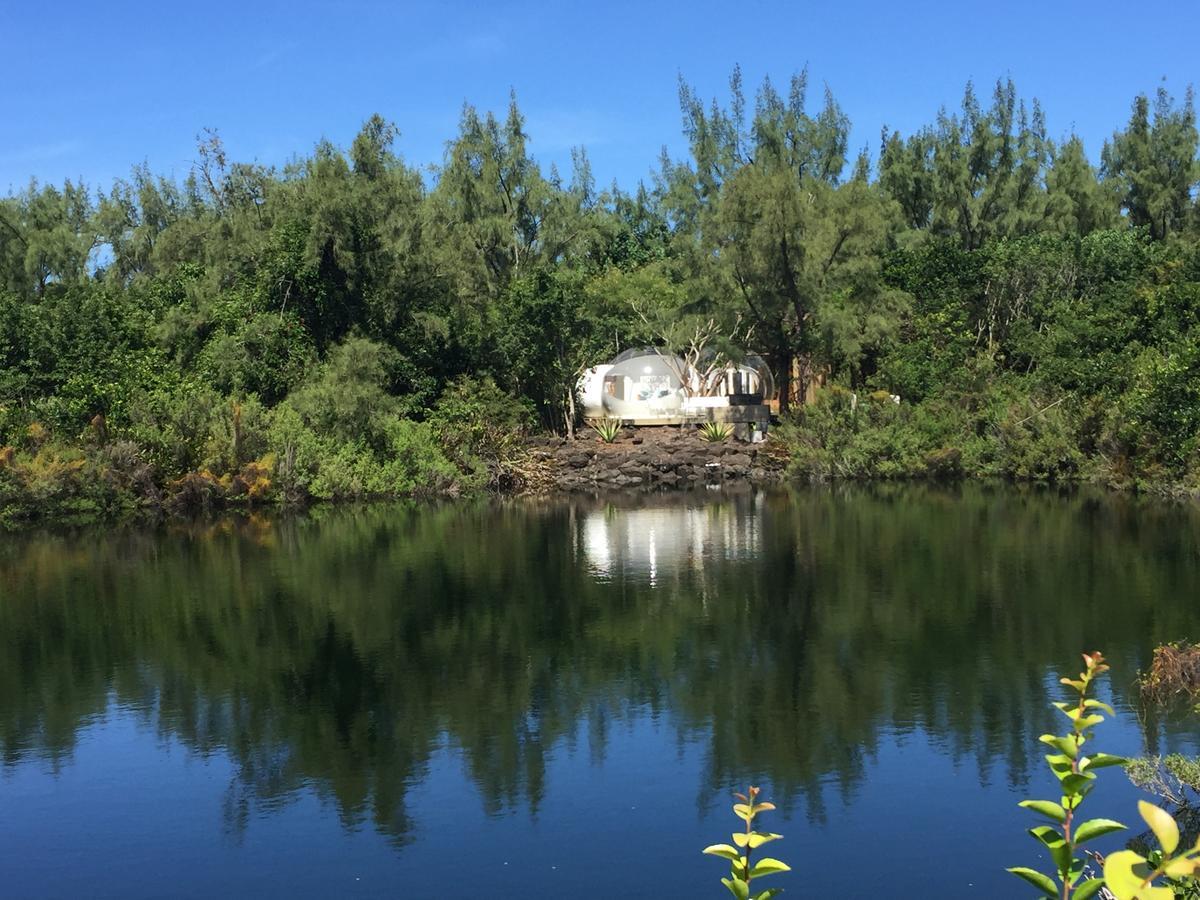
(345, 326)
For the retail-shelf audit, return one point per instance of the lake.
(556, 698)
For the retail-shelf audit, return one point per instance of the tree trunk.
(783, 366)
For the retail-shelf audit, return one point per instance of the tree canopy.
(976, 247)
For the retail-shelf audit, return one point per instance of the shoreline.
(608, 473)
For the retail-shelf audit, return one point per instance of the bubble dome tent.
(642, 386)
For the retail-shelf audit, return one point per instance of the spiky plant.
(716, 432)
(608, 429)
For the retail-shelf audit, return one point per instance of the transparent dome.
(632, 353)
(643, 384)
(766, 381)
(747, 376)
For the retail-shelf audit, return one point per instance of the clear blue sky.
(92, 88)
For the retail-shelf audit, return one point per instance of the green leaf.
(1124, 872)
(737, 887)
(722, 850)
(1061, 854)
(1050, 837)
(1065, 744)
(1094, 828)
(1096, 704)
(1075, 872)
(755, 839)
(1100, 760)
(768, 893)
(1179, 867)
(1060, 763)
(1076, 783)
(1048, 808)
(769, 866)
(1088, 889)
(743, 811)
(1037, 879)
(1161, 824)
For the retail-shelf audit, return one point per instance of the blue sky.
(93, 88)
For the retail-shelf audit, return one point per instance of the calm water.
(555, 699)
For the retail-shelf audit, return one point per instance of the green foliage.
(481, 430)
(1130, 876)
(50, 482)
(1154, 163)
(716, 432)
(743, 869)
(346, 398)
(842, 435)
(1076, 774)
(406, 462)
(1038, 315)
(266, 355)
(608, 429)
(173, 425)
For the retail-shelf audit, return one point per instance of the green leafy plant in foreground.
(1077, 776)
(716, 432)
(608, 429)
(1130, 876)
(742, 871)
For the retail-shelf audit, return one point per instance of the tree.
(47, 237)
(495, 215)
(976, 175)
(1153, 162)
(777, 232)
(1077, 202)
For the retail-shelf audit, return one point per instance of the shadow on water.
(790, 633)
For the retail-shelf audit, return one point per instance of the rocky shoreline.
(660, 457)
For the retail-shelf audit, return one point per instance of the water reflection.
(670, 534)
(791, 635)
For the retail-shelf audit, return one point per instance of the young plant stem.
(749, 831)
(1065, 893)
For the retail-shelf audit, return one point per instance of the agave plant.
(742, 872)
(607, 428)
(716, 432)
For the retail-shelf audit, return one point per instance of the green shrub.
(313, 466)
(1036, 443)
(53, 482)
(174, 426)
(998, 433)
(481, 429)
(416, 465)
(944, 463)
(345, 398)
(237, 434)
(267, 355)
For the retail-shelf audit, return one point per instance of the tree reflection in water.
(791, 633)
